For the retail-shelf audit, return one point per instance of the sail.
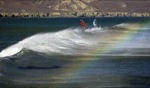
(94, 23)
(82, 24)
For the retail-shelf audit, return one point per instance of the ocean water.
(57, 53)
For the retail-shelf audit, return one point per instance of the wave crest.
(65, 42)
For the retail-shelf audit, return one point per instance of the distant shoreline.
(74, 14)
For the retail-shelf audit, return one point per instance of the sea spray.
(65, 42)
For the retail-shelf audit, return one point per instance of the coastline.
(74, 14)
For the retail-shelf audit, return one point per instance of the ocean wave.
(64, 42)
(57, 57)
(71, 41)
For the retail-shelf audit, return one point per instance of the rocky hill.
(74, 5)
(66, 7)
(46, 5)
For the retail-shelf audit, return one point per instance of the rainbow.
(118, 38)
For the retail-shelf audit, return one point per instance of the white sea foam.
(64, 42)
(74, 41)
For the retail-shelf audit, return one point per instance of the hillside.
(74, 5)
(67, 6)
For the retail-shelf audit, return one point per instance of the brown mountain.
(74, 5)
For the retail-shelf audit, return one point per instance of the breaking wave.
(66, 42)
(71, 41)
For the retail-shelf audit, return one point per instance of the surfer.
(82, 24)
(95, 25)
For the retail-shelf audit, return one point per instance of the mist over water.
(104, 56)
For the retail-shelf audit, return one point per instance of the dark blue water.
(51, 54)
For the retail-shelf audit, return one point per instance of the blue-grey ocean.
(58, 53)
